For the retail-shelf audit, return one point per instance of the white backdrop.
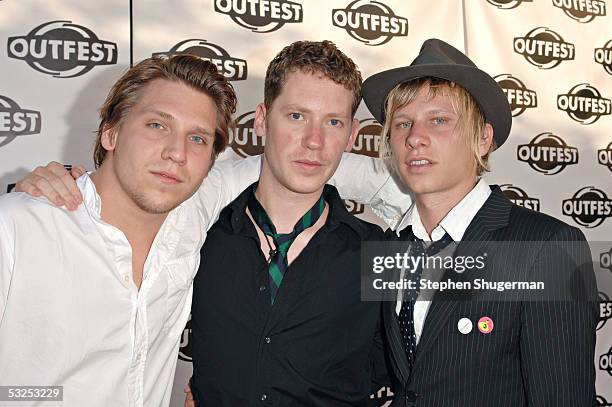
(553, 58)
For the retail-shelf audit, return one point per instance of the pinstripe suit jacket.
(539, 354)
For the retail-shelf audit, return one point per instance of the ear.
(108, 139)
(485, 140)
(353, 136)
(260, 120)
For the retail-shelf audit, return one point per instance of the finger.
(26, 186)
(62, 182)
(68, 180)
(78, 170)
(46, 190)
(36, 192)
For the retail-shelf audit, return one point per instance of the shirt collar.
(455, 223)
(180, 234)
(91, 199)
(337, 212)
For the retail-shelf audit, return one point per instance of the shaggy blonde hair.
(471, 121)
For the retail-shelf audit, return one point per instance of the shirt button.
(126, 278)
(268, 340)
(262, 288)
(263, 397)
(411, 396)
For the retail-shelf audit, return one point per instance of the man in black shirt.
(277, 315)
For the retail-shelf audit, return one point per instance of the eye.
(440, 120)
(295, 116)
(199, 139)
(335, 122)
(155, 125)
(404, 125)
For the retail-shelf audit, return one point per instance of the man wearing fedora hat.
(442, 117)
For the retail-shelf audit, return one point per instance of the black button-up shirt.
(317, 345)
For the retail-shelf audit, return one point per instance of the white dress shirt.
(455, 224)
(70, 313)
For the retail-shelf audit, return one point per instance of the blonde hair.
(471, 121)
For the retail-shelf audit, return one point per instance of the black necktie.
(406, 315)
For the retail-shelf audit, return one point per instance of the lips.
(308, 164)
(167, 177)
(418, 164)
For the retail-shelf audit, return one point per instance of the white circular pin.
(465, 326)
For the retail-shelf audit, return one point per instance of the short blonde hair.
(471, 120)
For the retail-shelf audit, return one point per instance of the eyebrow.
(403, 115)
(304, 109)
(168, 116)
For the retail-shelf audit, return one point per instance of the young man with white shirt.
(93, 300)
(442, 117)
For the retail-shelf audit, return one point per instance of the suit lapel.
(493, 215)
(391, 324)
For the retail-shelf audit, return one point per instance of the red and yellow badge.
(485, 325)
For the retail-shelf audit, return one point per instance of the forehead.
(314, 89)
(175, 98)
(427, 99)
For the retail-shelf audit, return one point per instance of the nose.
(175, 149)
(313, 138)
(417, 137)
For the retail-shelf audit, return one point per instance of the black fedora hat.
(441, 60)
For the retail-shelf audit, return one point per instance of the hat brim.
(487, 93)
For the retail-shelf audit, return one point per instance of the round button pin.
(485, 325)
(465, 326)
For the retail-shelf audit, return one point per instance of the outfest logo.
(584, 104)
(589, 207)
(605, 310)
(15, 121)
(234, 69)
(507, 4)
(62, 49)
(583, 11)
(603, 56)
(368, 139)
(547, 153)
(261, 16)
(185, 344)
(370, 22)
(605, 260)
(602, 402)
(354, 207)
(519, 197)
(604, 156)
(243, 139)
(605, 362)
(544, 48)
(519, 96)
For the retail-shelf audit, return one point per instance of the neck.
(120, 211)
(433, 207)
(284, 207)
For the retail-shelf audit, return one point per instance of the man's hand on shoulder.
(55, 183)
